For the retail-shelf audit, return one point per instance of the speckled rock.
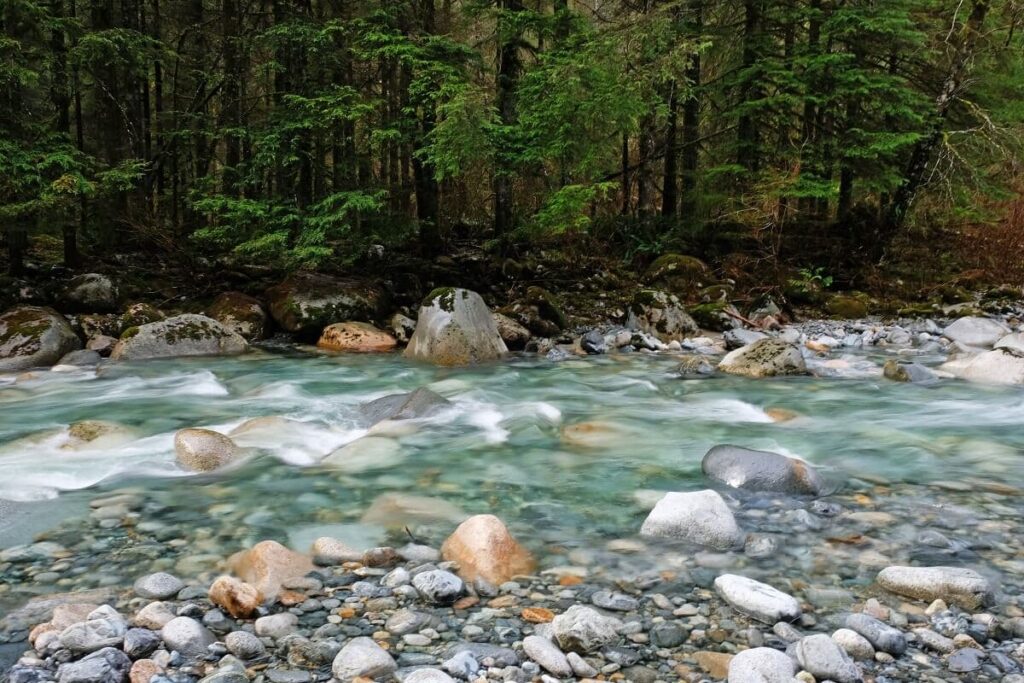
(356, 337)
(700, 517)
(204, 450)
(183, 335)
(158, 586)
(582, 629)
(755, 470)
(764, 358)
(954, 585)
(455, 327)
(820, 656)
(187, 636)
(31, 336)
(361, 657)
(881, 636)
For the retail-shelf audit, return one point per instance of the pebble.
(856, 645)
(244, 645)
(756, 599)
(547, 655)
(823, 658)
(438, 586)
(158, 586)
(882, 636)
(362, 658)
(187, 636)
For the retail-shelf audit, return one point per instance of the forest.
(311, 133)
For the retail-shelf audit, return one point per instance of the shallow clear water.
(503, 447)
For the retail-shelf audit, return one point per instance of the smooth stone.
(187, 636)
(158, 586)
(237, 598)
(244, 645)
(140, 642)
(881, 636)
(756, 599)
(954, 585)
(856, 645)
(204, 450)
(462, 665)
(965, 660)
(761, 665)
(547, 654)
(580, 666)
(362, 658)
(428, 675)
(154, 616)
(975, 331)
(582, 629)
(276, 625)
(484, 549)
(824, 659)
(700, 517)
(617, 602)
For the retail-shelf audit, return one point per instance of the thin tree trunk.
(689, 157)
(509, 67)
(669, 191)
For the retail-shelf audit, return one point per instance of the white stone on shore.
(756, 599)
(547, 654)
(761, 665)
(954, 585)
(700, 517)
(824, 659)
(361, 657)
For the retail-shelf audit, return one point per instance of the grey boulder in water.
(992, 367)
(753, 470)
(764, 358)
(33, 336)
(907, 372)
(182, 335)
(455, 327)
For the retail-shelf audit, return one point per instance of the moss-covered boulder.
(714, 315)
(182, 335)
(138, 314)
(306, 303)
(678, 273)
(661, 314)
(846, 307)
(764, 358)
(90, 293)
(240, 313)
(548, 306)
(33, 336)
(455, 327)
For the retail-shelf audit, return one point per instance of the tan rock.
(331, 551)
(154, 616)
(356, 337)
(143, 670)
(484, 548)
(203, 450)
(238, 598)
(593, 434)
(715, 663)
(267, 565)
(537, 615)
(63, 616)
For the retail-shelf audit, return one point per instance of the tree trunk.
(691, 120)
(669, 191)
(509, 67)
(917, 166)
(747, 130)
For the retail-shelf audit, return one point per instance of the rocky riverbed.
(825, 501)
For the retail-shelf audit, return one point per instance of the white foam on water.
(487, 418)
(723, 410)
(199, 383)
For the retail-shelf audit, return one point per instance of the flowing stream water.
(906, 460)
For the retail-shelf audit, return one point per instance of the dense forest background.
(825, 135)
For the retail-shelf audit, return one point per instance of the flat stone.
(965, 660)
(276, 625)
(954, 585)
(756, 599)
(617, 602)
(582, 629)
(103, 666)
(140, 642)
(715, 663)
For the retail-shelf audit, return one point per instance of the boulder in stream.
(483, 548)
(183, 335)
(662, 315)
(754, 470)
(240, 313)
(416, 404)
(899, 371)
(204, 450)
(356, 337)
(33, 336)
(455, 327)
(991, 367)
(700, 517)
(764, 358)
(975, 331)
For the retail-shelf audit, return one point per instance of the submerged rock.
(455, 327)
(306, 303)
(416, 404)
(483, 548)
(907, 372)
(242, 314)
(764, 358)
(700, 517)
(756, 599)
(754, 470)
(695, 367)
(204, 450)
(953, 585)
(32, 336)
(396, 510)
(356, 337)
(182, 335)
(976, 332)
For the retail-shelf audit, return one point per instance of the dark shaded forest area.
(859, 140)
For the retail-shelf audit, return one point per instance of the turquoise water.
(509, 444)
